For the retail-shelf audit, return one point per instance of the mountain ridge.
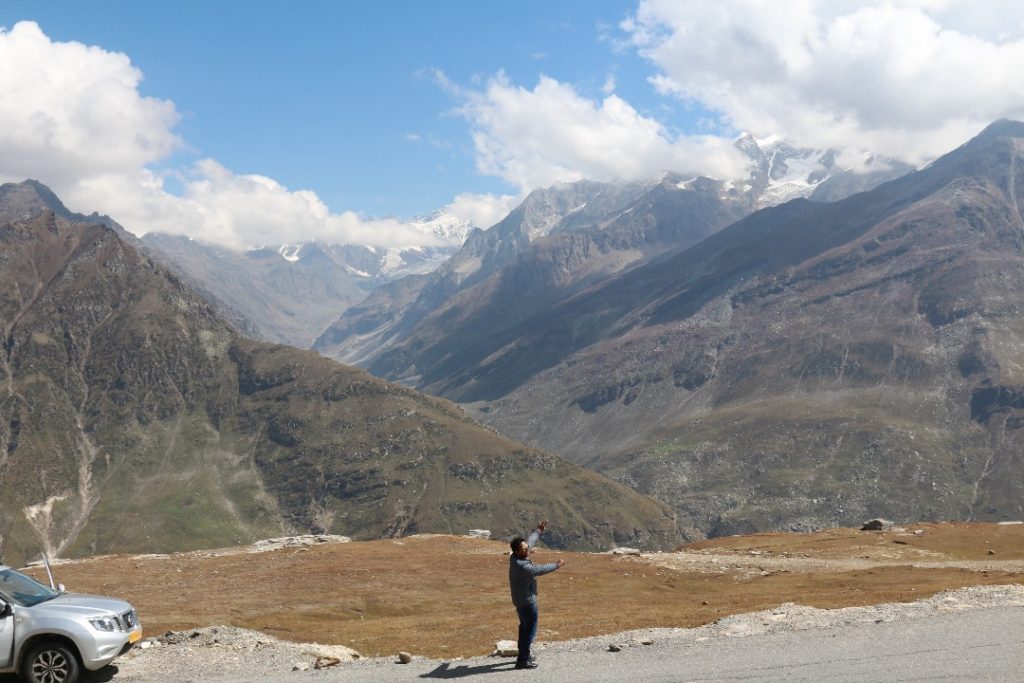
(135, 418)
(561, 240)
(742, 380)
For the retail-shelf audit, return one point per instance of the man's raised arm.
(535, 534)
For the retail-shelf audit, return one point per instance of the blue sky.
(266, 122)
(327, 95)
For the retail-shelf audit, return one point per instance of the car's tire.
(51, 662)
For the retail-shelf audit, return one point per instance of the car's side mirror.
(6, 611)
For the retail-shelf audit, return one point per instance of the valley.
(306, 314)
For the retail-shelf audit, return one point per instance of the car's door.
(6, 634)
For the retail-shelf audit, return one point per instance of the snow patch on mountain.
(444, 232)
(291, 252)
(445, 226)
(781, 172)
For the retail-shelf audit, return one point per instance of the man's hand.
(542, 526)
(560, 563)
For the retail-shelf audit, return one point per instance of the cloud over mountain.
(73, 117)
(552, 133)
(903, 78)
(908, 79)
(71, 110)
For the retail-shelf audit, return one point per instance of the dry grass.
(448, 596)
(947, 541)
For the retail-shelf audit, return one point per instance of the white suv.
(49, 636)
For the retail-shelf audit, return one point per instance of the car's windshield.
(23, 590)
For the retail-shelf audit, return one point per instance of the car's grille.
(127, 621)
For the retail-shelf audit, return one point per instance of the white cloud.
(609, 84)
(237, 211)
(535, 138)
(73, 118)
(69, 110)
(911, 79)
(483, 210)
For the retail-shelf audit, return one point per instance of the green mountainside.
(133, 418)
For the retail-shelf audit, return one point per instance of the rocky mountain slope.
(260, 291)
(558, 242)
(134, 418)
(809, 365)
(290, 293)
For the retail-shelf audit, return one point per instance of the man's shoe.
(526, 665)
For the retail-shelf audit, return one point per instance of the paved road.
(975, 645)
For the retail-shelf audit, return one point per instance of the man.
(522, 579)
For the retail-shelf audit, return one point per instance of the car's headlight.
(104, 624)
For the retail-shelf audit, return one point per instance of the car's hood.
(82, 605)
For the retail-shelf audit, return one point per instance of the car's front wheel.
(51, 662)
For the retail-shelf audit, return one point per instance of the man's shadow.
(446, 670)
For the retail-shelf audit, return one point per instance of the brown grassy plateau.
(445, 596)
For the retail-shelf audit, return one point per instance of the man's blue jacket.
(522, 575)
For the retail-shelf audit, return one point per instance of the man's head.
(520, 548)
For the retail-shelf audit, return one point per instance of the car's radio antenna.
(46, 561)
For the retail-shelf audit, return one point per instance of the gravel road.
(972, 633)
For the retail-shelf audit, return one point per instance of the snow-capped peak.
(782, 171)
(444, 225)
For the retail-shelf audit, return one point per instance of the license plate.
(135, 636)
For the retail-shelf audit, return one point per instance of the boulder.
(404, 657)
(326, 662)
(506, 648)
(624, 551)
(877, 525)
(328, 652)
(479, 533)
(303, 541)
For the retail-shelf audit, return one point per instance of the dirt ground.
(445, 596)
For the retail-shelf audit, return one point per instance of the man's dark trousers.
(527, 629)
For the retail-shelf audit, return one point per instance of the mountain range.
(290, 293)
(809, 364)
(293, 293)
(561, 240)
(731, 363)
(135, 418)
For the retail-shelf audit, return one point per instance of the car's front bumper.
(106, 646)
